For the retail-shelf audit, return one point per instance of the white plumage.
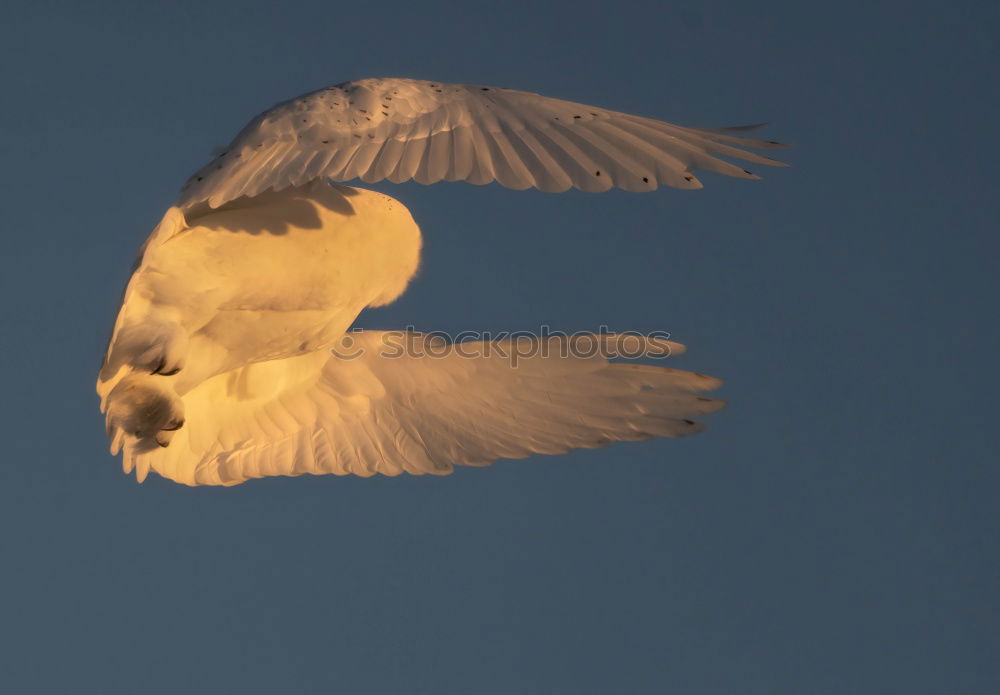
(222, 364)
(428, 131)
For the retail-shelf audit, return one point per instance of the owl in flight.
(231, 356)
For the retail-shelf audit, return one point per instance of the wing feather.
(400, 129)
(388, 415)
(463, 154)
(549, 175)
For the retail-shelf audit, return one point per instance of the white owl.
(231, 359)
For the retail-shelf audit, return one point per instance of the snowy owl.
(231, 356)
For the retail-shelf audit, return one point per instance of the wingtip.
(708, 383)
(670, 346)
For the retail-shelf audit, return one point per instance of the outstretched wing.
(398, 402)
(400, 129)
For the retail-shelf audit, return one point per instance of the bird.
(232, 356)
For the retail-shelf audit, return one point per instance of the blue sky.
(833, 531)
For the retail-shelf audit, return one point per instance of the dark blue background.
(834, 531)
